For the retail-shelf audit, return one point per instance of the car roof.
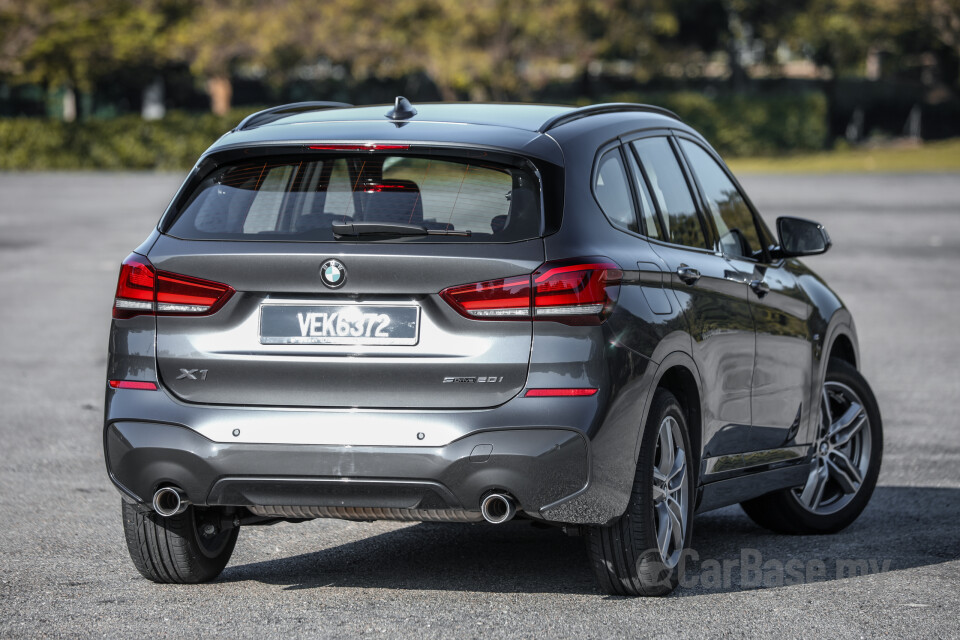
(508, 126)
(528, 117)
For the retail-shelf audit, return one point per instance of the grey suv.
(475, 312)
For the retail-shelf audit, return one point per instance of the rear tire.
(847, 472)
(172, 550)
(640, 554)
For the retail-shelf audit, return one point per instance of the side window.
(613, 191)
(647, 210)
(735, 225)
(671, 192)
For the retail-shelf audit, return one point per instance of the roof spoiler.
(597, 109)
(273, 114)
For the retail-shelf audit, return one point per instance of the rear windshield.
(299, 199)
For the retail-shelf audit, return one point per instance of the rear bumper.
(537, 466)
(568, 460)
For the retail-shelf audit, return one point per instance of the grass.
(931, 156)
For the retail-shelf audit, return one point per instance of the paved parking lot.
(65, 571)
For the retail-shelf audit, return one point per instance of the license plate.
(339, 324)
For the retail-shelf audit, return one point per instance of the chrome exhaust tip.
(169, 501)
(498, 508)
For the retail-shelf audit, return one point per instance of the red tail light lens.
(135, 288)
(503, 299)
(579, 292)
(178, 294)
(573, 292)
(142, 290)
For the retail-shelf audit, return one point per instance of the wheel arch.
(607, 494)
(679, 375)
(839, 341)
(843, 349)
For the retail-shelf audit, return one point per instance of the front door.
(784, 351)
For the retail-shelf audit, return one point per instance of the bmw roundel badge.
(333, 273)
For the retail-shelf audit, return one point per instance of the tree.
(221, 37)
(708, 27)
(943, 19)
(944, 16)
(74, 43)
(487, 49)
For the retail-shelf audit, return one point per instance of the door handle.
(735, 276)
(760, 287)
(689, 275)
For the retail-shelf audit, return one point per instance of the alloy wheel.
(841, 452)
(671, 492)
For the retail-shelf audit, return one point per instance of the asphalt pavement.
(64, 569)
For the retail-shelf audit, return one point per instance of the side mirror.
(799, 237)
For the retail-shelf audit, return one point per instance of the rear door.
(353, 322)
(712, 293)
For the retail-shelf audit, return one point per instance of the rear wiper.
(357, 229)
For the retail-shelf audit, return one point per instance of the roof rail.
(273, 114)
(596, 109)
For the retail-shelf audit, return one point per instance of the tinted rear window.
(299, 199)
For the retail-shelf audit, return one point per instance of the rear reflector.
(557, 393)
(575, 292)
(133, 384)
(142, 290)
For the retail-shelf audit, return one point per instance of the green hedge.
(736, 125)
(748, 125)
(122, 143)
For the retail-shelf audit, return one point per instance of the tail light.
(142, 290)
(135, 288)
(503, 299)
(574, 292)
